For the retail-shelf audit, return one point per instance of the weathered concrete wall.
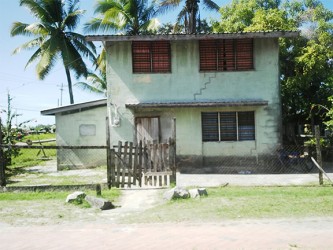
(86, 128)
(184, 84)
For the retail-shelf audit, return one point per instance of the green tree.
(168, 28)
(306, 62)
(189, 15)
(252, 15)
(131, 17)
(54, 37)
(9, 132)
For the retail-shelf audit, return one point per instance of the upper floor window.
(226, 54)
(151, 57)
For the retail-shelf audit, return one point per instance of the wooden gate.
(143, 164)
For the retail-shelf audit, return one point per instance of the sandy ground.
(106, 233)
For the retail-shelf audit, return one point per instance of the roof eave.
(78, 106)
(252, 103)
(259, 34)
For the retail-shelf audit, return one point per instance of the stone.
(176, 193)
(100, 203)
(78, 195)
(198, 192)
(168, 195)
(194, 193)
(202, 192)
(181, 193)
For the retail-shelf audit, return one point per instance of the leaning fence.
(138, 164)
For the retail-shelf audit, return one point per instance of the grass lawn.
(243, 202)
(28, 157)
(45, 208)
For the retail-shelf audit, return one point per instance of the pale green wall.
(68, 134)
(184, 84)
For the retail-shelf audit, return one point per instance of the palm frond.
(101, 62)
(28, 45)
(45, 64)
(97, 24)
(55, 10)
(36, 9)
(34, 57)
(72, 59)
(95, 84)
(210, 5)
(37, 29)
(168, 5)
(19, 28)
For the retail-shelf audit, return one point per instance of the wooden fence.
(143, 164)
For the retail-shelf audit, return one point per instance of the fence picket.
(119, 163)
(130, 161)
(141, 157)
(113, 167)
(124, 163)
(135, 164)
(145, 163)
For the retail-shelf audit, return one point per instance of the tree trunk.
(70, 89)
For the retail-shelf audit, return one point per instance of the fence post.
(108, 155)
(319, 158)
(173, 149)
(2, 161)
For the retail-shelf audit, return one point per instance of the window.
(226, 54)
(151, 57)
(87, 129)
(228, 126)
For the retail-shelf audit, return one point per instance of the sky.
(30, 95)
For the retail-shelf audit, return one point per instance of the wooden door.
(148, 128)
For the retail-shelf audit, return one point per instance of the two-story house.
(218, 94)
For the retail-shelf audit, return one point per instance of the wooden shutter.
(141, 57)
(228, 126)
(246, 126)
(244, 56)
(209, 122)
(226, 55)
(161, 57)
(208, 55)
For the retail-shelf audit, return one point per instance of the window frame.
(237, 132)
(224, 55)
(155, 54)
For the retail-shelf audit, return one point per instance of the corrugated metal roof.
(257, 34)
(199, 104)
(75, 107)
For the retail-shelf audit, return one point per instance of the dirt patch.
(48, 175)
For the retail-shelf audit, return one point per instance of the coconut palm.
(189, 15)
(54, 38)
(131, 17)
(96, 83)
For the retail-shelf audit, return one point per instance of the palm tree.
(96, 83)
(54, 38)
(189, 15)
(131, 17)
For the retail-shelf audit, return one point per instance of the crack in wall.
(209, 81)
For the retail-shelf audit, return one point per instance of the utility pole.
(61, 90)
